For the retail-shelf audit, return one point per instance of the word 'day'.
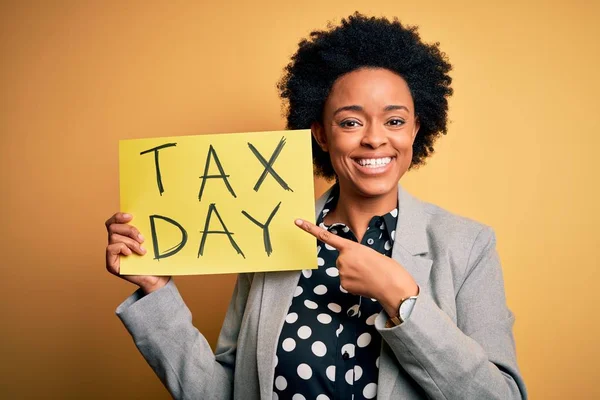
(219, 203)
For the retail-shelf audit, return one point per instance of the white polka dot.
(394, 212)
(326, 210)
(298, 396)
(276, 360)
(332, 271)
(304, 371)
(298, 291)
(370, 390)
(346, 229)
(329, 247)
(342, 289)
(321, 289)
(288, 344)
(291, 318)
(322, 397)
(382, 227)
(320, 262)
(364, 339)
(310, 304)
(304, 332)
(319, 349)
(318, 249)
(387, 245)
(377, 362)
(275, 397)
(393, 235)
(334, 231)
(334, 307)
(348, 348)
(350, 377)
(357, 372)
(307, 273)
(371, 319)
(324, 318)
(330, 372)
(339, 330)
(373, 300)
(280, 383)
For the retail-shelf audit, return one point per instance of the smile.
(373, 162)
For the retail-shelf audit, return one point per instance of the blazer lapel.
(409, 250)
(277, 295)
(278, 291)
(410, 242)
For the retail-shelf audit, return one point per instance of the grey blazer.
(457, 343)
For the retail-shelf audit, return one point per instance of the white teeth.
(374, 162)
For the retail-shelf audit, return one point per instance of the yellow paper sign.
(223, 203)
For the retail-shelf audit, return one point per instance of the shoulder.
(453, 233)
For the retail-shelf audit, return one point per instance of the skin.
(368, 114)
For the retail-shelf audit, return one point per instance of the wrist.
(153, 286)
(396, 293)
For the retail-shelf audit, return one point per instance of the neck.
(355, 210)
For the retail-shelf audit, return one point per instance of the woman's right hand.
(123, 240)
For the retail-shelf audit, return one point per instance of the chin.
(375, 187)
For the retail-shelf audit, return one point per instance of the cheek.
(403, 142)
(341, 145)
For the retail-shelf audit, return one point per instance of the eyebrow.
(359, 108)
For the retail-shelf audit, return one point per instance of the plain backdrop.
(77, 76)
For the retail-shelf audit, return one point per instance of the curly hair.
(367, 42)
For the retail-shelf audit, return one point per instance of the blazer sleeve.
(474, 358)
(161, 326)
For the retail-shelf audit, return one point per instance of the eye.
(349, 123)
(396, 122)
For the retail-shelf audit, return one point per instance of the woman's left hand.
(365, 272)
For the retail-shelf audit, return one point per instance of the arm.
(474, 360)
(161, 326)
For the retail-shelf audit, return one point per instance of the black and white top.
(329, 347)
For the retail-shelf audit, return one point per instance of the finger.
(118, 218)
(323, 235)
(126, 230)
(113, 251)
(132, 244)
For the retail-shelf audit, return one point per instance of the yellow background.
(181, 169)
(76, 76)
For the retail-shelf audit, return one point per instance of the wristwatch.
(406, 306)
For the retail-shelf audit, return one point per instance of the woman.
(408, 300)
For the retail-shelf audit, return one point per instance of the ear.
(320, 136)
(417, 127)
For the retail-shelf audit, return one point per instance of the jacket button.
(345, 356)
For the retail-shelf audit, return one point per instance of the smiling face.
(369, 127)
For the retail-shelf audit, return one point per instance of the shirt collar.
(390, 219)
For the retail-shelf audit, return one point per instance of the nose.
(374, 136)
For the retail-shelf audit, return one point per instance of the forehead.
(370, 86)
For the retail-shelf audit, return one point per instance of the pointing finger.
(323, 235)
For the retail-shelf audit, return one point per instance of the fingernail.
(141, 237)
(298, 222)
(142, 249)
(126, 215)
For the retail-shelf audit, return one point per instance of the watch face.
(406, 307)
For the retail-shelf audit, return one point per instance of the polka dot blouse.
(329, 347)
